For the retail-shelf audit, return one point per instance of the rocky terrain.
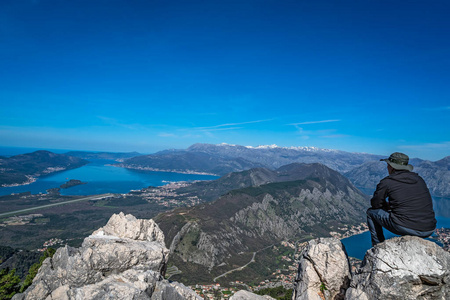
(401, 268)
(25, 168)
(436, 175)
(211, 237)
(126, 259)
(222, 159)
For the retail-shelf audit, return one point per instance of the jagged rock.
(127, 226)
(246, 295)
(123, 260)
(403, 268)
(324, 271)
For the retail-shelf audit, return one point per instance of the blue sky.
(359, 76)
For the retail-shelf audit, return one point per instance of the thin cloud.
(230, 124)
(221, 129)
(199, 131)
(115, 122)
(441, 108)
(335, 136)
(315, 122)
(442, 145)
(164, 134)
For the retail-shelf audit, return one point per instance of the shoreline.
(30, 180)
(188, 172)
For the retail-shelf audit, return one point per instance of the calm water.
(102, 179)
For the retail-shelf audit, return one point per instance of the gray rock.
(246, 295)
(403, 268)
(324, 271)
(123, 260)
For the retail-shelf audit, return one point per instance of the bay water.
(102, 178)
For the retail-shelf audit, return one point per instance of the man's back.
(409, 200)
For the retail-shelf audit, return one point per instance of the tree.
(35, 268)
(9, 284)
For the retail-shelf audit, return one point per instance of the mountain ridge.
(25, 168)
(223, 158)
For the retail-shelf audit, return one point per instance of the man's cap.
(398, 161)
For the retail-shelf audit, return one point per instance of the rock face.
(123, 260)
(324, 271)
(246, 295)
(403, 268)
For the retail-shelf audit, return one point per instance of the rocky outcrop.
(246, 295)
(324, 271)
(400, 268)
(126, 259)
(403, 268)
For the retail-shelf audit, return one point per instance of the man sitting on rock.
(409, 209)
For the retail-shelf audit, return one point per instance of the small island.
(71, 183)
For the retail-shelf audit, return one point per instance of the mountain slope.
(214, 235)
(25, 168)
(211, 190)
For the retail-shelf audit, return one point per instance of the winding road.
(242, 267)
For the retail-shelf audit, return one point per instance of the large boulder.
(126, 259)
(403, 268)
(324, 271)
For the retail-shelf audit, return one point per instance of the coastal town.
(168, 196)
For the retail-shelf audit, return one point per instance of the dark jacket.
(409, 200)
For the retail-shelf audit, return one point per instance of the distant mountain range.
(260, 208)
(119, 156)
(25, 168)
(364, 170)
(222, 159)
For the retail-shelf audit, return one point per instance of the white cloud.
(220, 129)
(314, 122)
(230, 124)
